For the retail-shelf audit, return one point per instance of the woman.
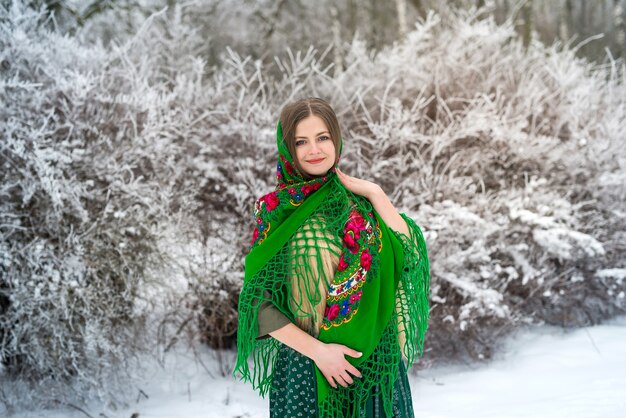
(337, 277)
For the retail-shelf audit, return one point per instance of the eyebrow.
(323, 132)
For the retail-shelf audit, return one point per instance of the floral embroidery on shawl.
(355, 262)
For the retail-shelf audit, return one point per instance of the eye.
(324, 137)
(300, 142)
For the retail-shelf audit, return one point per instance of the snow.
(543, 372)
(618, 274)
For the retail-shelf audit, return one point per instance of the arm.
(269, 318)
(385, 209)
(298, 339)
(328, 357)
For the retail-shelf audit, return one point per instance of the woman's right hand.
(330, 359)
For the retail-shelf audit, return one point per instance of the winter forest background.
(135, 136)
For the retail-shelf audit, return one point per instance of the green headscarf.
(379, 289)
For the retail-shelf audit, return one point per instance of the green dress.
(294, 385)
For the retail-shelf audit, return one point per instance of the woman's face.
(315, 150)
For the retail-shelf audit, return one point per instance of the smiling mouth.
(315, 161)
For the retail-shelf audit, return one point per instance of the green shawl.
(378, 290)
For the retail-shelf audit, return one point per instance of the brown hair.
(294, 112)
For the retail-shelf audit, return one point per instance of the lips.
(319, 160)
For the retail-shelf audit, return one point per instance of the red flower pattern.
(332, 312)
(342, 263)
(288, 167)
(366, 259)
(271, 201)
(350, 240)
(308, 188)
(356, 296)
(352, 231)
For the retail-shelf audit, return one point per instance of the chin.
(318, 171)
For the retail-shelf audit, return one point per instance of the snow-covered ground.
(546, 372)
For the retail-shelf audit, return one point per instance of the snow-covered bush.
(512, 160)
(86, 189)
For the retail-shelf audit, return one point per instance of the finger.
(341, 381)
(330, 381)
(354, 371)
(346, 378)
(351, 352)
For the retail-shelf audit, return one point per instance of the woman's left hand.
(359, 186)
